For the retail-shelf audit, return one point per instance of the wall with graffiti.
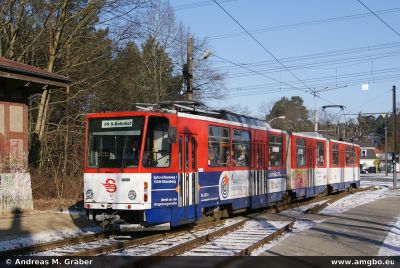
(15, 192)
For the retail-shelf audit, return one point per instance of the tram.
(175, 164)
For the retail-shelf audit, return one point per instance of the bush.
(49, 191)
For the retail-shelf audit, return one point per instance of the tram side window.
(350, 153)
(335, 155)
(194, 156)
(157, 151)
(320, 154)
(241, 148)
(275, 151)
(300, 152)
(218, 146)
(180, 152)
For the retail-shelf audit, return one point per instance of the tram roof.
(198, 108)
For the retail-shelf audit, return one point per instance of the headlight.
(132, 195)
(89, 194)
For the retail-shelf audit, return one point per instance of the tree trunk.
(53, 47)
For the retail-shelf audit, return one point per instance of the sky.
(295, 47)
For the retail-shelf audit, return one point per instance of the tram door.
(310, 163)
(188, 173)
(259, 177)
(342, 164)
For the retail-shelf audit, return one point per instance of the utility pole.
(386, 151)
(189, 77)
(315, 94)
(315, 121)
(394, 139)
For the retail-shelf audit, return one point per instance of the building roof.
(15, 75)
(370, 152)
(368, 144)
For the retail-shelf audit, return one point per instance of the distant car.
(372, 170)
(363, 170)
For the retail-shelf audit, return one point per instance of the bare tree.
(159, 22)
(115, 51)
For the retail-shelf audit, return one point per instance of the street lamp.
(205, 55)
(279, 117)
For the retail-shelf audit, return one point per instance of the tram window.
(350, 155)
(364, 153)
(241, 148)
(157, 151)
(300, 152)
(320, 154)
(194, 160)
(186, 153)
(275, 151)
(335, 155)
(114, 142)
(180, 152)
(218, 146)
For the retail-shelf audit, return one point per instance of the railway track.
(239, 239)
(54, 244)
(137, 247)
(249, 234)
(100, 244)
(186, 242)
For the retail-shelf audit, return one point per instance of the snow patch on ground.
(355, 200)
(391, 245)
(72, 212)
(46, 236)
(298, 227)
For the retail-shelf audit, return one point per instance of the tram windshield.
(114, 142)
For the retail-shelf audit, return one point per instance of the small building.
(17, 82)
(369, 156)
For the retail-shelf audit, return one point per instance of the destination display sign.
(116, 123)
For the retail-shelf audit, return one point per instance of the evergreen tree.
(296, 115)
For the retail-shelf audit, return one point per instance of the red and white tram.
(169, 167)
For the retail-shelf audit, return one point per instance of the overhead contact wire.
(261, 45)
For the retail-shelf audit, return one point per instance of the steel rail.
(287, 228)
(54, 244)
(149, 239)
(181, 248)
(144, 240)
